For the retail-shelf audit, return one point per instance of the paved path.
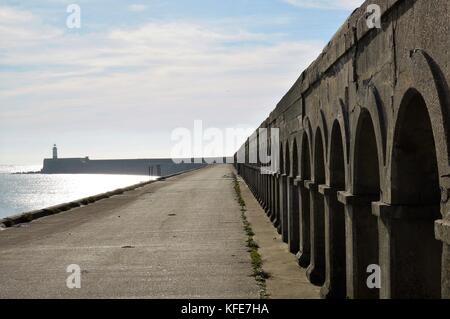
(287, 280)
(184, 238)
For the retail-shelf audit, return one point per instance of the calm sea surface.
(23, 193)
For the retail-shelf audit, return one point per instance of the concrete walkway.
(179, 238)
(287, 280)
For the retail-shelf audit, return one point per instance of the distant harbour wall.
(156, 167)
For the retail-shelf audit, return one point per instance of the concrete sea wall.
(363, 181)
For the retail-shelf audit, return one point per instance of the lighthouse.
(55, 152)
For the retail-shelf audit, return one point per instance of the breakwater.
(154, 167)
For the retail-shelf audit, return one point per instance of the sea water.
(26, 192)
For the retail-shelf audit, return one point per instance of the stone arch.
(309, 136)
(427, 72)
(366, 157)
(335, 286)
(424, 75)
(316, 269)
(414, 132)
(295, 158)
(323, 129)
(378, 121)
(337, 157)
(319, 157)
(377, 111)
(281, 158)
(366, 189)
(247, 151)
(304, 256)
(416, 263)
(306, 156)
(287, 158)
(278, 190)
(343, 120)
(294, 238)
(284, 189)
(292, 199)
(272, 180)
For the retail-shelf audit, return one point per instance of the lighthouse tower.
(55, 152)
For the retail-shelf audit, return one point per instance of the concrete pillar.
(292, 208)
(261, 189)
(277, 219)
(258, 185)
(284, 208)
(273, 199)
(250, 178)
(361, 243)
(268, 197)
(264, 191)
(442, 232)
(269, 194)
(316, 268)
(255, 182)
(247, 179)
(335, 257)
(410, 255)
(303, 255)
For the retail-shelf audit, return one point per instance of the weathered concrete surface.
(287, 280)
(365, 153)
(186, 236)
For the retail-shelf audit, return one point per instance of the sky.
(135, 71)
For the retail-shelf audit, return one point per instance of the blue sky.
(136, 70)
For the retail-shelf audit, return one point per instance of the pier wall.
(363, 182)
(155, 167)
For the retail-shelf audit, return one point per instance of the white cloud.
(137, 7)
(18, 27)
(136, 81)
(326, 4)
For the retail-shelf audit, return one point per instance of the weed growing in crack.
(258, 273)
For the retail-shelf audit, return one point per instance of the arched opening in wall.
(416, 267)
(279, 191)
(294, 221)
(367, 188)
(269, 152)
(267, 165)
(337, 215)
(295, 159)
(285, 196)
(316, 271)
(287, 166)
(270, 166)
(304, 257)
(281, 159)
(247, 156)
